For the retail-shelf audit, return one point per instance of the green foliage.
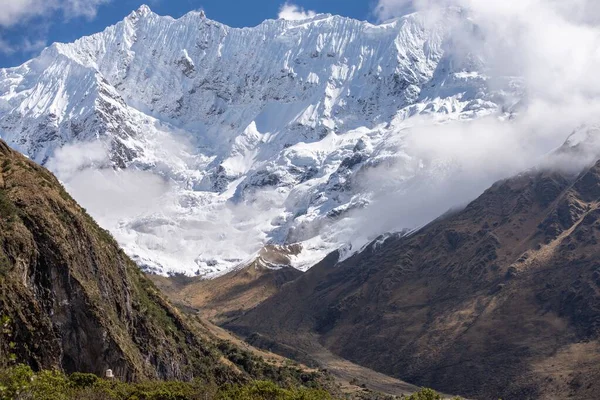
(50, 385)
(169, 390)
(81, 380)
(20, 382)
(263, 390)
(287, 376)
(7, 356)
(15, 381)
(426, 394)
(147, 294)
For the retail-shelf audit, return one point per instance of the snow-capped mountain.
(209, 142)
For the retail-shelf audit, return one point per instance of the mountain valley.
(310, 208)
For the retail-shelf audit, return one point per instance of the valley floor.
(351, 376)
(190, 293)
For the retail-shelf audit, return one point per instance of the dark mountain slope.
(76, 302)
(501, 299)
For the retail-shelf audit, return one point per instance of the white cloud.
(292, 12)
(82, 8)
(32, 46)
(159, 221)
(71, 159)
(18, 12)
(27, 46)
(554, 47)
(15, 12)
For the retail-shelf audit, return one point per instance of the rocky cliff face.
(76, 301)
(501, 299)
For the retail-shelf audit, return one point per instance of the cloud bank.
(292, 12)
(159, 220)
(553, 48)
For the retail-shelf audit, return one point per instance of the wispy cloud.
(26, 46)
(292, 12)
(387, 9)
(17, 14)
(82, 8)
(29, 46)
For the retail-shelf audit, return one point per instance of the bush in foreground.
(21, 383)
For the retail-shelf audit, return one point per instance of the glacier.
(196, 144)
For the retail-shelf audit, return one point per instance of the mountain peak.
(141, 12)
(155, 79)
(144, 10)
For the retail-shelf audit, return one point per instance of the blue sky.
(27, 26)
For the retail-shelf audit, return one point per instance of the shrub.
(49, 385)
(80, 380)
(263, 390)
(15, 381)
(7, 356)
(21, 383)
(426, 394)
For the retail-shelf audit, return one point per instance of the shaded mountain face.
(265, 135)
(501, 299)
(77, 303)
